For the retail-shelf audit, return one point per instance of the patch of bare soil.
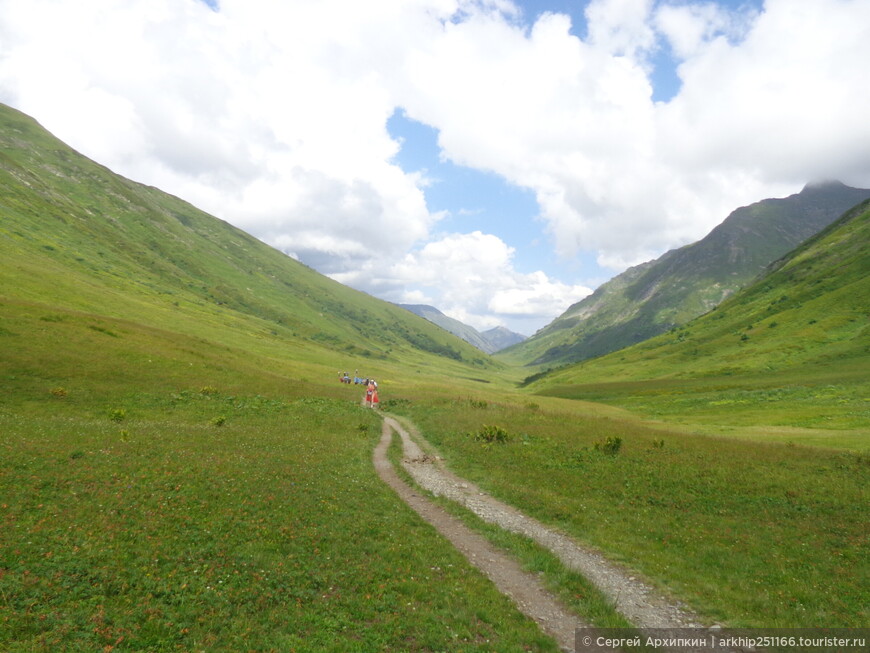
(637, 600)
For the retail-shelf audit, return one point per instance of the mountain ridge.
(658, 295)
(807, 310)
(489, 341)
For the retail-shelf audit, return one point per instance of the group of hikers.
(371, 385)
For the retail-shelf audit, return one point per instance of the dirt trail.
(523, 588)
(639, 602)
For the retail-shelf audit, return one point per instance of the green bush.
(610, 446)
(491, 434)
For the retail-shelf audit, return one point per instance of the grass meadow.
(748, 533)
(828, 407)
(214, 522)
(173, 493)
(165, 492)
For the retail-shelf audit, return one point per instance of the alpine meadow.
(181, 469)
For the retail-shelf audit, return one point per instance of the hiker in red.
(372, 393)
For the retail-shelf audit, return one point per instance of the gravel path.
(523, 588)
(638, 601)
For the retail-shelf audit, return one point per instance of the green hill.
(85, 244)
(800, 329)
(656, 296)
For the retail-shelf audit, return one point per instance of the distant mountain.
(488, 341)
(805, 316)
(656, 296)
(499, 338)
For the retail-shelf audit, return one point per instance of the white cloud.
(537, 296)
(690, 27)
(273, 116)
(769, 101)
(621, 27)
(786, 103)
(471, 277)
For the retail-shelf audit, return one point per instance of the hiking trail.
(639, 602)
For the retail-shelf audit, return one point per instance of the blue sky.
(477, 199)
(664, 78)
(495, 159)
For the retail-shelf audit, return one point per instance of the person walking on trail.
(372, 393)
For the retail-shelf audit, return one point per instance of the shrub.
(399, 402)
(100, 329)
(117, 415)
(219, 421)
(490, 434)
(610, 446)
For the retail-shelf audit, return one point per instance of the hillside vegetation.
(181, 470)
(656, 296)
(793, 349)
(77, 237)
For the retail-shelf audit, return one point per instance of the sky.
(496, 159)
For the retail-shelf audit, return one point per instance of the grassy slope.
(179, 467)
(790, 351)
(76, 236)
